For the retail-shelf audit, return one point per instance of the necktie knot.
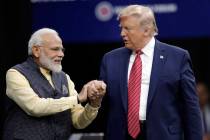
(139, 52)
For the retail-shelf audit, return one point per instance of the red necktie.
(134, 89)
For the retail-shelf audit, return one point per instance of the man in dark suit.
(166, 106)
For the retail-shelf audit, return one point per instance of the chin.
(56, 68)
(128, 46)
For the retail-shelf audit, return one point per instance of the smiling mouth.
(58, 61)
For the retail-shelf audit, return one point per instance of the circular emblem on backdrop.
(104, 11)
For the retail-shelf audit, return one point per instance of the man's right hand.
(93, 90)
(96, 92)
(82, 96)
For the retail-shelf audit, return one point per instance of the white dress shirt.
(147, 59)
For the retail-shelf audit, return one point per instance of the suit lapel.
(124, 61)
(157, 66)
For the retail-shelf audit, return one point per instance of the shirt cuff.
(70, 102)
(74, 100)
(89, 108)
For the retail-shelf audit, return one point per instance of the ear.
(147, 32)
(36, 51)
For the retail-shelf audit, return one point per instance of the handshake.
(92, 92)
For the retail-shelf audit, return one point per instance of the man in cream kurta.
(44, 102)
(19, 90)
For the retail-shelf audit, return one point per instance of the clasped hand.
(93, 91)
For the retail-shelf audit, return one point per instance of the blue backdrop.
(80, 21)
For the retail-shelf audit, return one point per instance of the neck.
(142, 44)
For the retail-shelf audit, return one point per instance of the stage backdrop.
(80, 21)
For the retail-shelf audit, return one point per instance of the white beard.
(46, 62)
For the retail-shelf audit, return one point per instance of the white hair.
(36, 38)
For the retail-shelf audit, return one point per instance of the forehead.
(51, 38)
(129, 21)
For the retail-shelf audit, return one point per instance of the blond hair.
(144, 14)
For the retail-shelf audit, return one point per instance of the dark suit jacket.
(172, 108)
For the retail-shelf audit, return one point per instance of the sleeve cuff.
(89, 108)
(73, 101)
(76, 101)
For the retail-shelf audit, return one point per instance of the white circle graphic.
(104, 11)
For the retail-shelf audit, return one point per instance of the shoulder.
(117, 52)
(174, 53)
(13, 72)
(170, 48)
(15, 78)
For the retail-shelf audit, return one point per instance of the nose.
(61, 53)
(123, 32)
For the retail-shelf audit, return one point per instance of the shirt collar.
(44, 71)
(149, 48)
